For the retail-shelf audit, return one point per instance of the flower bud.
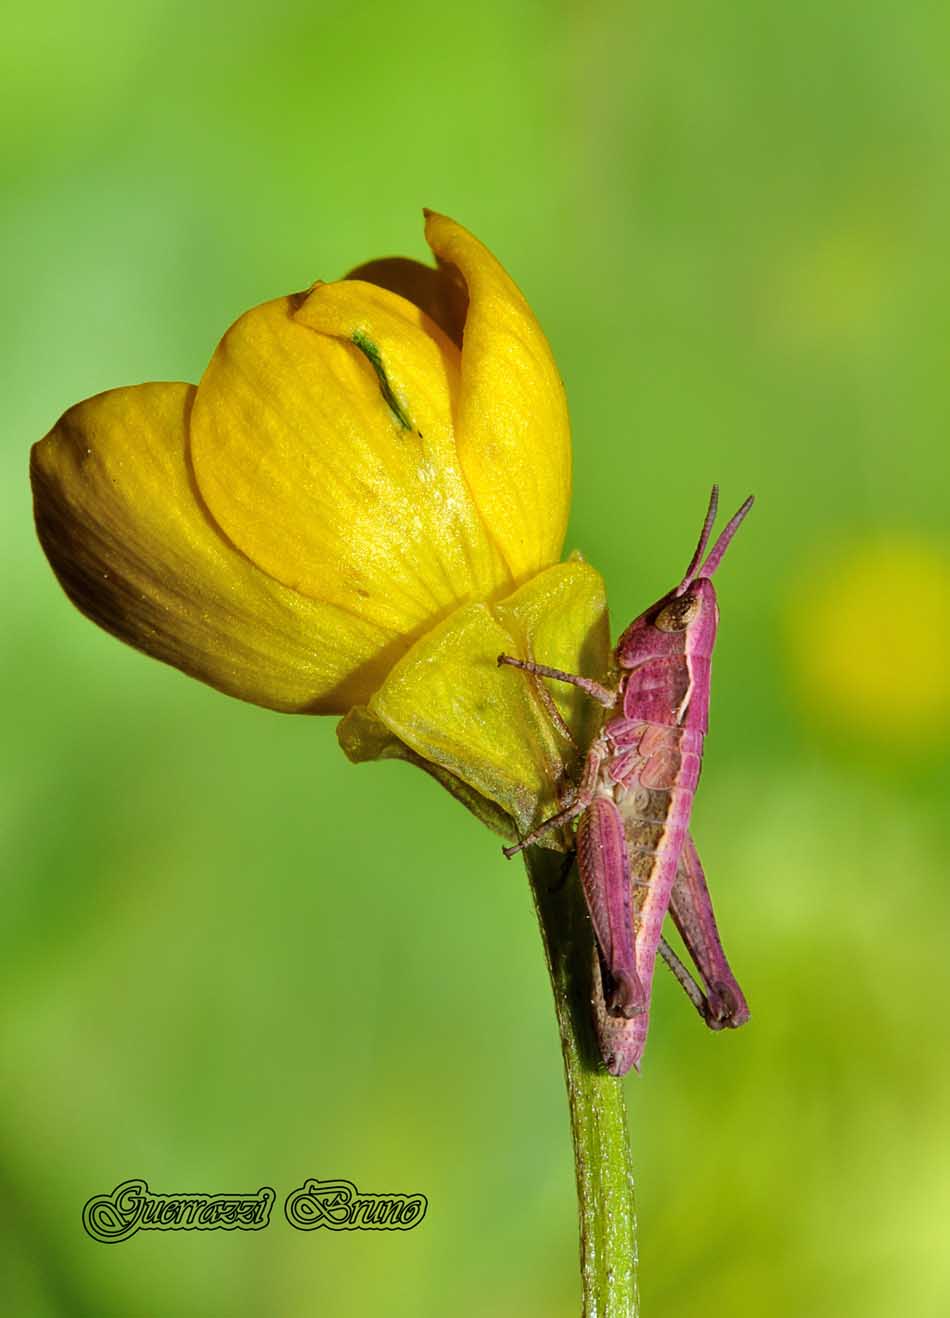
(357, 509)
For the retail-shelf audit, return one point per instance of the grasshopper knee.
(628, 998)
(727, 1007)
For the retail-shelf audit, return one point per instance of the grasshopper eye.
(678, 614)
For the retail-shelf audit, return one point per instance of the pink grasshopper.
(634, 853)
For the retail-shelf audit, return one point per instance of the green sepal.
(481, 730)
(363, 737)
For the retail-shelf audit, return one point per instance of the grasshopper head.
(690, 608)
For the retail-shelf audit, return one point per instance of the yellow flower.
(355, 511)
(868, 631)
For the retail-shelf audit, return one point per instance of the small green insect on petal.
(375, 358)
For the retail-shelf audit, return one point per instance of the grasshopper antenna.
(703, 540)
(722, 544)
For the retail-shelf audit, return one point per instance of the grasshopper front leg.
(596, 690)
(581, 799)
(583, 794)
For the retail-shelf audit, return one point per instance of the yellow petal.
(560, 618)
(450, 704)
(135, 549)
(440, 293)
(512, 423)
(322, 442)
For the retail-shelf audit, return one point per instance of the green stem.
(605, 1199)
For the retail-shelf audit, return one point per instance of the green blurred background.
(732, 223)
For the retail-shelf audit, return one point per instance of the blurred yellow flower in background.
(359, 464)
(869, 632)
